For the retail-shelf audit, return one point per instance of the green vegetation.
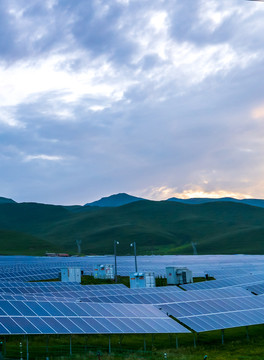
(157, 227)
(236, 346)
(200, 279)
(19, 243)
(90, 280)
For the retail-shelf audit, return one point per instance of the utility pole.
(78, 243)
(135, 253)
(115, 243)
(194, 248)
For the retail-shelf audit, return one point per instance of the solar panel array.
(170, 297)
(227, 320)
(23, 268)
(65, 308)
(32, 317)
(215, 314)
(231, 281)
(212, 306)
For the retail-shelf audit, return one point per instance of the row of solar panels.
(23, 288)
(58, 285)
(49, 297)
(168, 297)
(218, 314)
(30, 317)
(142, 299)
(219, 321)
(232, 281)
(39, 308)
(45, 268)
(84, 325)
(213, 306)
(125, 295)
(111, 289)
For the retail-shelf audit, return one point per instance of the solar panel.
(170, 297)
(54, 307)
(256, 288)
(212, 306)
(227, 320)
(234, 281)
(41, 268)
(55, 317)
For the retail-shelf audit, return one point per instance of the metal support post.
(194, 341)
(4, 352)
(177, 344)
(27, 349)
(70, 345)
(47, 347)
(223, 339)
(86, 343)
(109, 345)
(152, 341)
(135, 254)
(21, 351)
(145, 345)
(115, 243)
(121, 339)
(247, 333)
(1, 350)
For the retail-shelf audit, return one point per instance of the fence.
(74, 352)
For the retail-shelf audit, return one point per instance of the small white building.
(71, 275)
(178, 276)
(142, 280)
(104, 271)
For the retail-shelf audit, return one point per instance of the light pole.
(115, 243)
(135, 253)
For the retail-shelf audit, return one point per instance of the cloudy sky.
(150, 97)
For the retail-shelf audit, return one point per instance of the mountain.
(123, 199)
(114, 200)
(4, 200)
(158, 227)
(252, 202)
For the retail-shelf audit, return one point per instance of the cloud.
(132, 95)
(164, 193)
(258, 112)
(7, 118)
(43, 157)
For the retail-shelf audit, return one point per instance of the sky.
(154, 98)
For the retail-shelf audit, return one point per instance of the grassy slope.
(21, 243)
(158, 227)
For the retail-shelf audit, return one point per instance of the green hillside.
(157, 227)
(13, 242)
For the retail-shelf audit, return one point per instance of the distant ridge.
(158, 227)
(115, 200)
(193, 201)
(4, 200)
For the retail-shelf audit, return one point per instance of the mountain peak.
(114, 200)
(4, 200)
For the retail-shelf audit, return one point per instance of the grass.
(236, 346)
